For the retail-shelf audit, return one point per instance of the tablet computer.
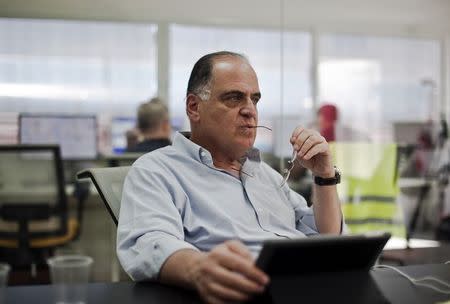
(321, 253)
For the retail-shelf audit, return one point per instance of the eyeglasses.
(287, 171)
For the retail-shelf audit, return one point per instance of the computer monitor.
(119, 127)
(121, 124)
(75, 134)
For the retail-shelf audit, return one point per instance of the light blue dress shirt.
(175, 198)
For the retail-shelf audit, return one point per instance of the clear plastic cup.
(4, 273)
(70, 275)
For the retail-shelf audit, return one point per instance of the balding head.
(202, 73)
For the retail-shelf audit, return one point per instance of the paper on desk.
(400, 243)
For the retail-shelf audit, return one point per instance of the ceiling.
(406, 15)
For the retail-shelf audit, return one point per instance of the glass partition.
(76, 66)
(377, 83)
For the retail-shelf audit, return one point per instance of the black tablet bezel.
(321, 253)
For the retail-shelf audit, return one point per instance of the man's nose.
(249, 109)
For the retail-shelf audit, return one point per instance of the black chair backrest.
(109, 184)
(33, 202)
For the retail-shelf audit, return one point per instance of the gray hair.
(151, 114)
(201, 75)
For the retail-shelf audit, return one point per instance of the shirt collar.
(182, 143)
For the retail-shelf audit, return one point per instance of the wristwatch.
(328, 181)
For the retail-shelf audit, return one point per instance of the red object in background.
(327, 117)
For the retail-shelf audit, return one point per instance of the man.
(153, 125)
(195, 214)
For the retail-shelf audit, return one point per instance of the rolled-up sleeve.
(150, 227)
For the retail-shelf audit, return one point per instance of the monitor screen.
(76, 135)
(121, 124)
(409, 132)
(119, 128)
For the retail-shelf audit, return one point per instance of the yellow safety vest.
(368, 189)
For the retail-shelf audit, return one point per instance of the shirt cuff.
(163, 248)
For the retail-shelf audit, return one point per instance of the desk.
(423, 186)
(413, 182)
(394, 287)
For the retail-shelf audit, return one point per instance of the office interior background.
(83, 67)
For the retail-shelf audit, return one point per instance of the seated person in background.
(133, 138)
(154, 126)
(195, 214)
(329, 127)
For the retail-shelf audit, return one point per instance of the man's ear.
(192, 107)
(166, 127)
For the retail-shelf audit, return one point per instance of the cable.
(417, 281)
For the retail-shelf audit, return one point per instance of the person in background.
(329, 127)
(326, 121)
(153, 125)
(196, 213)
(133, 138)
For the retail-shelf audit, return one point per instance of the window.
(75, 67)
(378, 81)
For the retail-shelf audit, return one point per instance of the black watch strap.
(320, 181)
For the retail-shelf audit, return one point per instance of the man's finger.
(235, 280)
(239, 248)
(236, 263)
(310, 142)
(296, 133)
(317, 149)
(226, 293)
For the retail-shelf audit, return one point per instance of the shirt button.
(203, 154)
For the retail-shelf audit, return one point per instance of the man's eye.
(234, 98)
(255, 101)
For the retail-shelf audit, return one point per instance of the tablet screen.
(321, 253)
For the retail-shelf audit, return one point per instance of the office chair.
(33, 205)
(368, 190)
(109, 184)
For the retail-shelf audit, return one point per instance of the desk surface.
(413, 182)
(394, 287)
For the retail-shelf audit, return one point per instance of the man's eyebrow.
(257, 95)
(234, 92)
(237, 92)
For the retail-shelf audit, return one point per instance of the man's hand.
(313, 152)
(227, 273)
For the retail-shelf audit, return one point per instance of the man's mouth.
(255, 126)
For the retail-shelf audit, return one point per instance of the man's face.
(228, 118)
